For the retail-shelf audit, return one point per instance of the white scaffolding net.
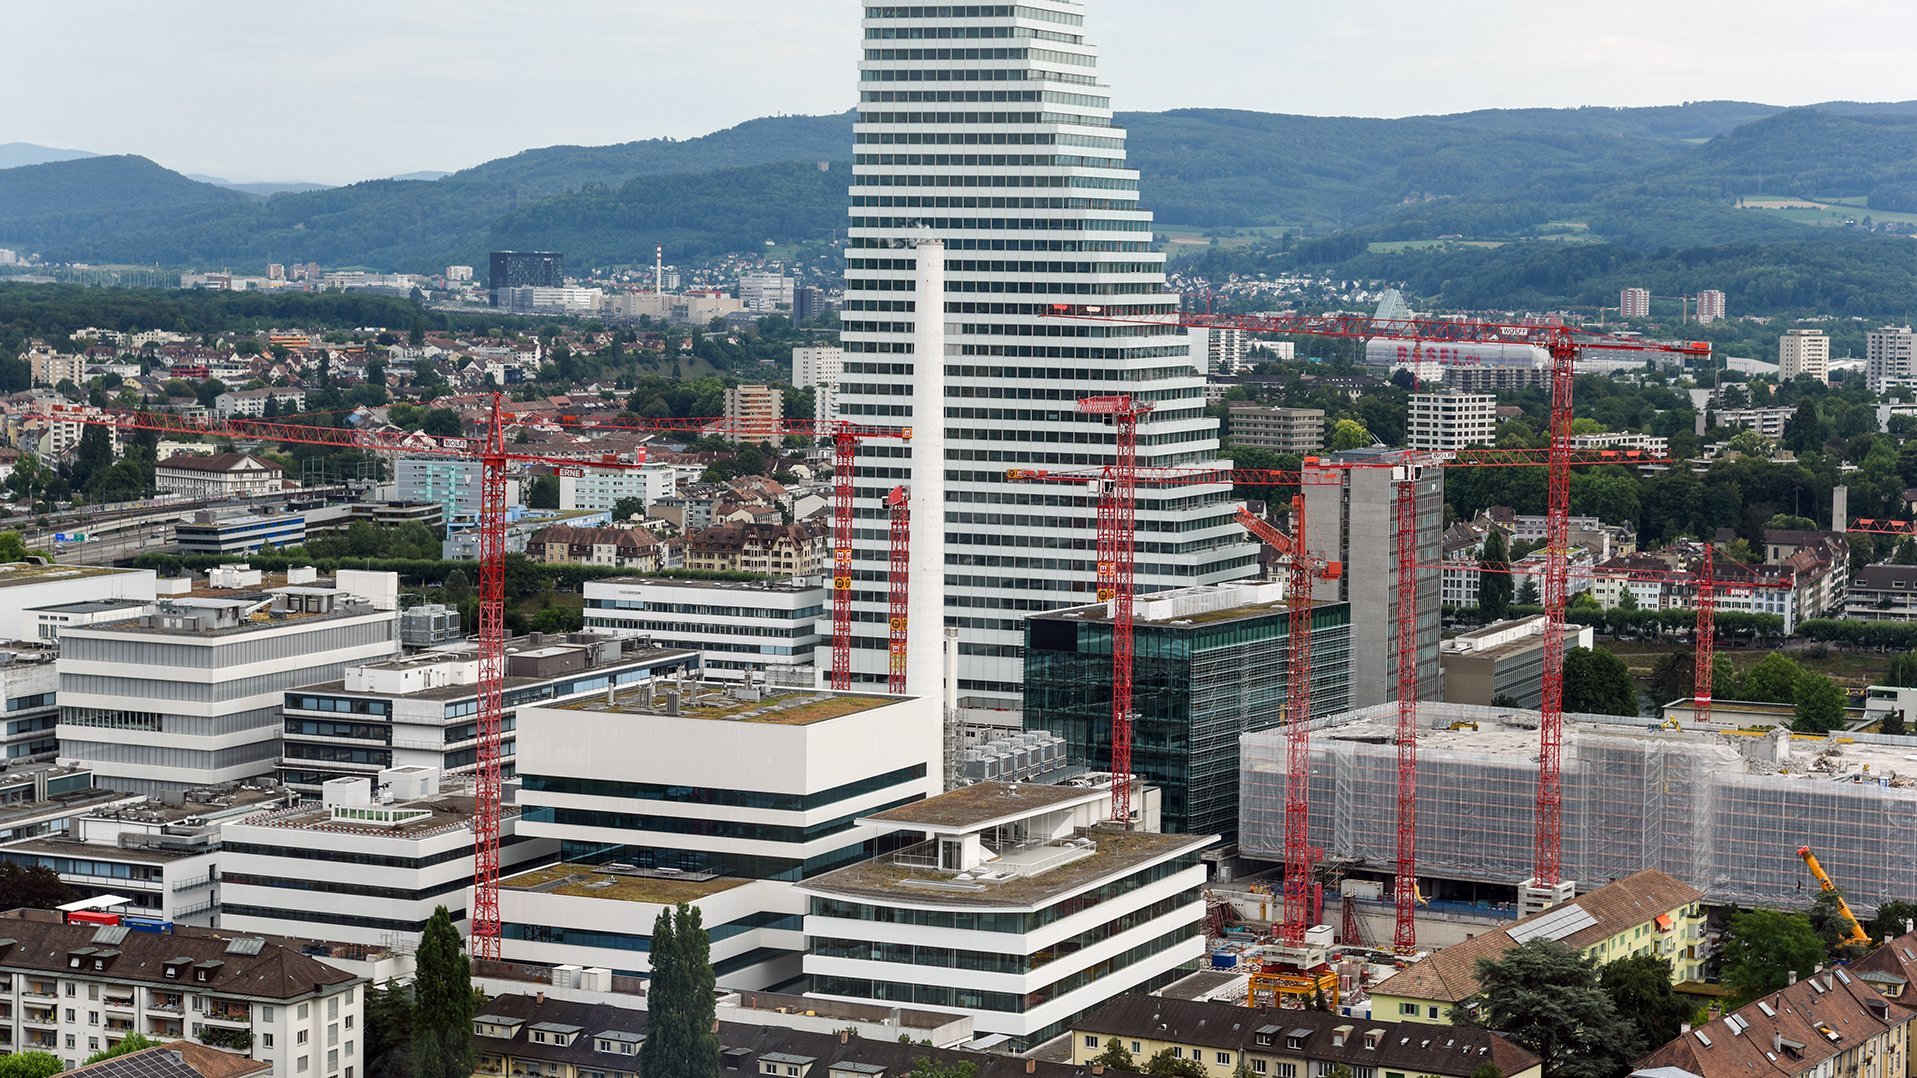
(1725, 813)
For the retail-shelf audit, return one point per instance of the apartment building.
(1803, 353)
(189, 694)
(1227, 1039)
(253, 403)
(1297, 431)
(603, 488)
(1448, 421)
(1883, 592)
(420, 710)
(1890, 358)
(1634, 303)
(622, 548)
(1648, 912)
(1710, 306)
(76, 989)
(1769, 422)
(776, 551)
(741, 631)
(366, 864)
(1019, 904)
(753, 414)
(816, 366)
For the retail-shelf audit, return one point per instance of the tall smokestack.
(925, 624)
(1840, 509)
(659, 270)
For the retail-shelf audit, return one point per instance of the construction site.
(1726, 812)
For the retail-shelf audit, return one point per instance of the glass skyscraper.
(986, 126)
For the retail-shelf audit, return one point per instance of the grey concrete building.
(1351, 517)
(1282, 430)
(1502, 661)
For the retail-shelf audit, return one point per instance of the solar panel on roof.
(1552, 924)
(111, 935)
(245, 945)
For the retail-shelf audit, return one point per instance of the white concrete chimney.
(925, 623)
(1840, 509)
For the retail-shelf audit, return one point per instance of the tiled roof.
(1795, 1031)
(273, 971)
(176, 1059)
(218, 462)
(1451, 974)
(1399, 1046)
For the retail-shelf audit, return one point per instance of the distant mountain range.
(1639, 179)
(15, 154)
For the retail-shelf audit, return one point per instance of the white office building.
(722, 796)
(1449, 421)
(30, 594)
(367, 863)
(1035, 205)
(189, 694)
(603, 488)
(741, 630)
(1803, 353)
(1890, 358)
(765, 292)
(75, 989)
(1020, 907)
(420, 711)
(812, 367)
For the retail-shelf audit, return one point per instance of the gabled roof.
(1451, 974)
(1789, 1032)
(272, 971)
(218, 462)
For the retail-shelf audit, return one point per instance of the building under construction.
(1723, 811)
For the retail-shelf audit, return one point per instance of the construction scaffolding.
(1725, 812)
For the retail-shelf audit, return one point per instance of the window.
(72, 988)
(1136, 1047)
(266, 1040)
(300, 1064)
(303, 1011)
(93, 1044)
(1258, 1066)
(266, 1014)
(93, 1018)
(332, 1007)
(300, 1037)
(1287, 1070)
(71, 1041)
(1433, 1013)
(1091, 1040)
(1177, 1052)
(1224, 1059)
(1409, 1009)
(349, 1021)
(70, 1018)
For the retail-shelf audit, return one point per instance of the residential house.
(1883, 592)
(623, 548)
(1648, 912)
(222, 475)
(253, 403)
(1272, 1043)
(1837, 1022)
(774, 550)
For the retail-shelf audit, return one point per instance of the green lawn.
(1827, 211)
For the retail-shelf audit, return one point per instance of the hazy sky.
(343, 90)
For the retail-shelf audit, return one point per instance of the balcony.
(38, 990)
(117, 1003)
(221, 1011)
(205, 880)
(37, 1039)
(165, 1002)
(163, 1027)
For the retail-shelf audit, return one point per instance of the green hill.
(1639, 179)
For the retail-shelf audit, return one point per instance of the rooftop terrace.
(638, 885)
(773, 707)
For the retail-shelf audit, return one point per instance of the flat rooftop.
(984, 803)
(103, 851)
(592, 881)
(786, 586)
(897, 878)
(774, 707)
(445, 813)
(1201, 605)
(97, 606)
(641, 657)
(15, 574)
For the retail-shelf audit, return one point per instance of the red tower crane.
(1563, 344)
(1704, 668)
(898, 506)
(1302, 568)
(1117, 564)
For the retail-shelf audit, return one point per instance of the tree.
(1772, 680)
(1902, 672)
(389, 1032)
(627, 508)
(1164, 1065)
(927, 1067)
(1890, 919)
(30, 1065)
(1528, 593)
(1487, 1070)
(442, 422)
(1762, 948)
(543, 492)
(457, 588)
(1494, 583)
(1349, 434)
(12, 547)
(1640, 989)
(1672, 678)
(132, 1042)
(442, 1003)
(1546, 997)
(680, 1042)
(1819, 704)
(1115, 1057)
(1804, 433)
(1598, 683)
(37, 887)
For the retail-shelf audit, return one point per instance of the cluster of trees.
(1582, 1019)
(425, 1030)
(681, 1036)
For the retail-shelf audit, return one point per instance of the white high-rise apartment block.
(603, 488)
(1449, 421)
(1803, 353)
(817, 366)
(1225, 349)
(986, 127)
(765, 291)
(1634, 303)
(1710, 305)
(1890, 358)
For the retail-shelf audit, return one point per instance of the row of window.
(988, 921)
(960, 137)
(987, 160)
(697, 795)
(1078, 246)
(979, 118)
(679, 825)
(906, 954)
(1001, 97)
(972, 11)
(628, 941)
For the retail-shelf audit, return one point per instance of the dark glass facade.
(1198, 684)
(525, 269)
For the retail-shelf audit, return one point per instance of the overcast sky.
(354, 89)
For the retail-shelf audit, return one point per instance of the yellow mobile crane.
(1857, 933)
